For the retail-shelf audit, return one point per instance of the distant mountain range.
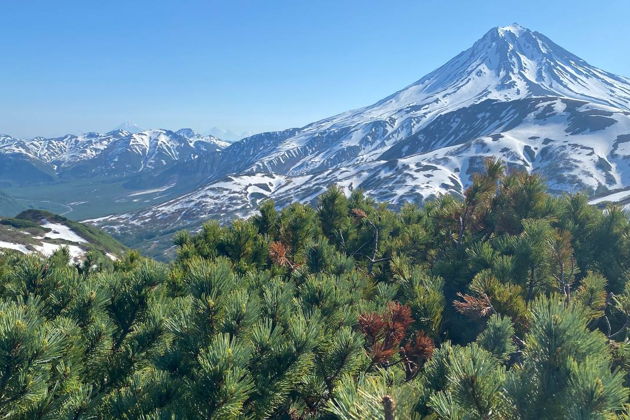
(514, 95)
(115, 154)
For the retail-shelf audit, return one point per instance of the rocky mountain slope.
(514, 95)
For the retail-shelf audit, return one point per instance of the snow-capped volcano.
(513, 95)
(508, 63)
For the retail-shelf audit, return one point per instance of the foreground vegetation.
(509, 304)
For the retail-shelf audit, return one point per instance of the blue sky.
(253, 65)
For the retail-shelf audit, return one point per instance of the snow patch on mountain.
(42, 233)
(47, 249)
(615, 197)
(151, 191)
(61, 231)
(17, 247)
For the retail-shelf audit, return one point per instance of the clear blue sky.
(257, 65)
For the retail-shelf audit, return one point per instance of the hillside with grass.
(43, 233)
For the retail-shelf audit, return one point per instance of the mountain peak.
(118, 132)
(514, 29)
(514, 38)
(188, 133)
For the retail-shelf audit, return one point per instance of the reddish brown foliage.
(372, 325)
(279, 254)
(473, 307)
(420, 349)
(399, 320)
(416, 353)
(359, 214)
(381, 352)
(385, 333)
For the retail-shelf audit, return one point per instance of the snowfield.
(60, 231)
(17, 247)
(151, 191)
(47, 249)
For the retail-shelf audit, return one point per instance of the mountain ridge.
(117, 152)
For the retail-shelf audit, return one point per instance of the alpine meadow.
(457, 250)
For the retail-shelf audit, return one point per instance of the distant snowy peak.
(130, 127)
(70, 147)
(60, 149)
(519, 56)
